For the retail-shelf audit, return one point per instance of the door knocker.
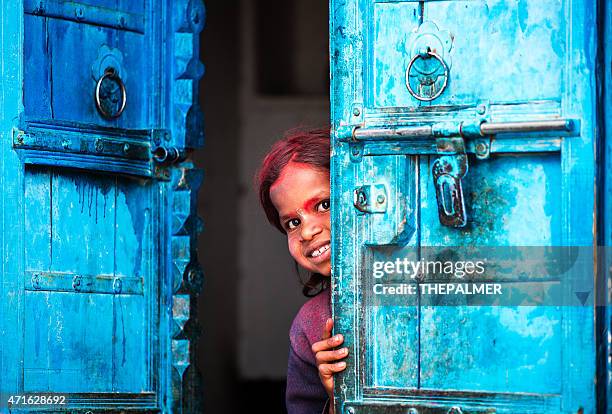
(428, 71)
(429, 76)
(110, 95)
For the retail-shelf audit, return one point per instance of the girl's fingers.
(327, 329)
(327, 344)
(330, 369)
(330, 356)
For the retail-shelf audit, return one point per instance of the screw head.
(355, 151)
(481, 148)
(356, 112)
(99, 145)
(36, 281)
(380, 199)
(76, 282)
(117, 284)
(481, 109)
(126, 147)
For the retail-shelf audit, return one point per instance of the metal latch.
(452, 164)
(371, 198)
(448, 170)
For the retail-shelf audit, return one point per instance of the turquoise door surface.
(465, 130)
(99, 113)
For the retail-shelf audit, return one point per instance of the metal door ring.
(110, 73)
(429, 54)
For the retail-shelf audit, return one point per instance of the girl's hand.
(327, 358)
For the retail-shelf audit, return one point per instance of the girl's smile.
(301, 197)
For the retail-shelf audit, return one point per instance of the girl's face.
(301, 197)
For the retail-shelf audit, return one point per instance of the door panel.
(521, 40)
(445, 147)
(394, 353)
(98, 227)
(88, 277)
(494, 349)
(515, 201)
(57, 328)
(65, 60)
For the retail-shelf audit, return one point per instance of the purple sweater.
(305, 393)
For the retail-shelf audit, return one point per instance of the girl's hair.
(307, 146)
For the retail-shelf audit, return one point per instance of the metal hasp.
(371, 198)
(448, 170)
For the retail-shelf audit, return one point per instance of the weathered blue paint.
(509, 61)
(99, 269)
(604, 331)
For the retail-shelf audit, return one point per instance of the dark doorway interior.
(266, 71)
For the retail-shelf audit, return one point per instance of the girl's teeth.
(320, 251)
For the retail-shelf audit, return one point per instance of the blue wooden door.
(464, 131)
(99, 114)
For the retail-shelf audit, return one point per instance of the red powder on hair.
(307, 146)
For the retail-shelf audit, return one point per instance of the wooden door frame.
(604, 205)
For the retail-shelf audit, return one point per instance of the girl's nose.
(310, 228)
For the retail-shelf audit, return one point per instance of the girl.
(294, 192)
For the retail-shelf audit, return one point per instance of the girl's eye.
(293, 223)
(323, 206)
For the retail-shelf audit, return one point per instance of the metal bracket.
(371, 198)
(448, 170)
(80, 143)
(147, 153)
